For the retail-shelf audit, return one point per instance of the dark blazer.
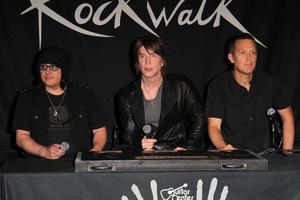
(181, 121)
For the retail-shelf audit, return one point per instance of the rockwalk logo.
(185, 17)
(181, 192)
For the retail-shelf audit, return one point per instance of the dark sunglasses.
(52, 67)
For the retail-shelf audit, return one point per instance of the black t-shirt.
(243, 113)
(59, 127)
(78, 115)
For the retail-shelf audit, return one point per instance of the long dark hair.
(154, 44)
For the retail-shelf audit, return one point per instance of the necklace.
(55, 113)
(152, 99)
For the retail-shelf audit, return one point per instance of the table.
(56, 180)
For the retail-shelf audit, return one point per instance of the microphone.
(271, 113)
(149, 130)
(64, 146)
(276, 128)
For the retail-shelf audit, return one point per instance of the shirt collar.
(236, 86)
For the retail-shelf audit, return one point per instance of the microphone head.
(147, 129)
(271, 111)
(64, 146)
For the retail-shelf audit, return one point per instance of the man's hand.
(180, 149)
(147, 144)
(96, 149)
(228, 147)
(52, 152)
(26, 142)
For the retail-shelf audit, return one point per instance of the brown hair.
(233, 39)
(150, 43)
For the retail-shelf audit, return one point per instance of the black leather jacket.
(181, 123)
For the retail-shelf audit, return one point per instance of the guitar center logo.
(182, 192)
(176, 193)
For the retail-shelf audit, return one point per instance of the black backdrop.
(195, 48)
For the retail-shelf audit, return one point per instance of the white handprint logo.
(212, 190)
(170, 193)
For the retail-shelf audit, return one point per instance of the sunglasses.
(52, 67)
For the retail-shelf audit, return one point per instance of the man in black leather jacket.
(159, 111)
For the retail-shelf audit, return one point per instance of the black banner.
(203, 185)
(98, 35)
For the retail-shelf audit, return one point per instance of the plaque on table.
(168, 161)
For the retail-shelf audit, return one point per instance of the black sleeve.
(22, 113)
(96, 115)
(130, 133)
(214, 102)
(197, 129)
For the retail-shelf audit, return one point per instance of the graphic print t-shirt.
(59, 129)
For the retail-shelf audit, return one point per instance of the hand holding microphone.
(148, 142)
(54, 151)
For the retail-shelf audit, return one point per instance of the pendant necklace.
(152, 100)
(56, 109)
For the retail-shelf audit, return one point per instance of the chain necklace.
(55, 113)
(152, 99)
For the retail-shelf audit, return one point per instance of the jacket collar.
(168, 98)
(138, 104)
(167, 102)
